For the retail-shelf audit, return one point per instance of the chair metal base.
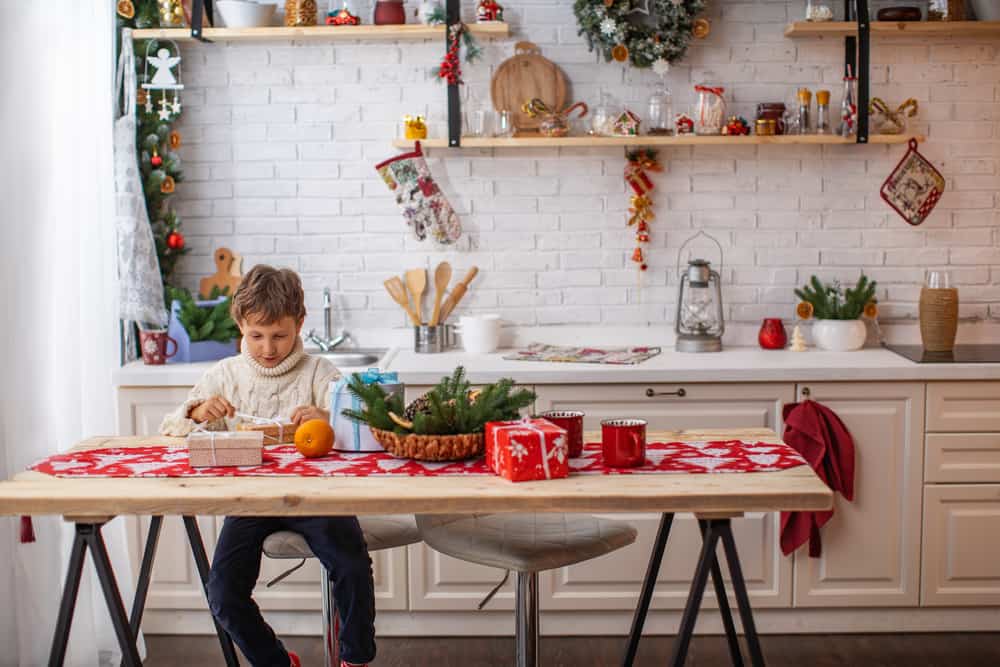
(526, 619)
(713, 531)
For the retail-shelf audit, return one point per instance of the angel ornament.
(163, 80)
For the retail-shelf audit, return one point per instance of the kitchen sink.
(358, 356)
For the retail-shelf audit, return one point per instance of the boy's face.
(269, 344)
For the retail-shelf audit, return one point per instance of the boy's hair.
(269, 294)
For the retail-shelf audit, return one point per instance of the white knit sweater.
(300, 379)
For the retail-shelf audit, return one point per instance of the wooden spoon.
(416, 281)
(394, 286)
(457, 292)
(442, 276)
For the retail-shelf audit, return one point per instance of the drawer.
(962, 457)
(963, 407)
(960, 546)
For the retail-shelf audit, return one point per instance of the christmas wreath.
(641, 31)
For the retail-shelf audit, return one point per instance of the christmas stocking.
(424, 206)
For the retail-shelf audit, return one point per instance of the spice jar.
(805, 103)
(772, 111)
(766, 127)
(711, 112)
(823, 112)
(300, 13)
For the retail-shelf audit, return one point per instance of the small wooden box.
(225, 448)
(274, 434)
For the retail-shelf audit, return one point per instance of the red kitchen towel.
(816, 432)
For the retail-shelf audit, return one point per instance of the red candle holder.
(772, 335)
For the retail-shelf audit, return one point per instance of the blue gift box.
(205, 350)
(350, 436)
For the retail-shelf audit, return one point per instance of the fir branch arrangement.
(450, 408)
(203, 322)
(832, 302)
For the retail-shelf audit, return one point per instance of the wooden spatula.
(457, 292)
(442, 276)
(394, 286)
(416, 282)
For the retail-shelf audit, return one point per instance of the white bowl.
(245, 14)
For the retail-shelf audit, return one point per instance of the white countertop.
(735, 364)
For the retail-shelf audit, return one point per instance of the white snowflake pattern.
(559, 449)
(661, 67)
(609, 27)
(517, 450)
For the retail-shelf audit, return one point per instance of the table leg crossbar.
(88, 535)
(713, 532)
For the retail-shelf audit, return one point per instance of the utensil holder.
(938, 318)
(428, 339)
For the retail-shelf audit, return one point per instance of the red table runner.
(284, 460)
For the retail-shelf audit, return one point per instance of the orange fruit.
(620, 53)
(804, 310)
(314, 438)
(871, 310)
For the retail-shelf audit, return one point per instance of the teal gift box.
(351, 436)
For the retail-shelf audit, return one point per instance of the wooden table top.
(792, 489)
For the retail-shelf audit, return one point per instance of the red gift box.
(527, 449)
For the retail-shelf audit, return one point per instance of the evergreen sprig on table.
(450, 408)
(832, 302)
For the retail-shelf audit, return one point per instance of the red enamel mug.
(572, 421)
(154, 345)
(623, 442)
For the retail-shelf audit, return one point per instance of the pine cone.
(421, 404)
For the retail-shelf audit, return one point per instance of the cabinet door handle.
(805, 393)
(650, 393)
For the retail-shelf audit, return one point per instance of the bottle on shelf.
(849, 106)
(805, 102)
(823, 112)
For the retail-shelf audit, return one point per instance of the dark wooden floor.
(912, 650)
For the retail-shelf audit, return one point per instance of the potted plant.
(838, 326)
(445, 424)
(204, 330)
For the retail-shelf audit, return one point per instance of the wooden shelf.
(891, 28)
(412, 31)
(536, 141)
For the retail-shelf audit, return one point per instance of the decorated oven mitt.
(424, 206)
(914, 186)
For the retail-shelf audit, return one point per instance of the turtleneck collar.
(287, 364)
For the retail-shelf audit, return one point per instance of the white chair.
(527, 544)
(381, 532)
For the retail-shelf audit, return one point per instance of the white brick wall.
(280, 141)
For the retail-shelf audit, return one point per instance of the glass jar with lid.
(660, 118)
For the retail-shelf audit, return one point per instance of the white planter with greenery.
(838, 312)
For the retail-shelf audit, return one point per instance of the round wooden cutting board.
(525, 76)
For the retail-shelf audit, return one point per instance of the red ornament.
(175, 241)
(156, 160)
(772, 334)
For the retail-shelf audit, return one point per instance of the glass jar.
(602, 121)
(710, 115)
(818, 10)
(823, 112)
(772, 111)
(300, 13)
(661, 112)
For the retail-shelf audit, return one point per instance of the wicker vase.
(300, 13)
(938, 318)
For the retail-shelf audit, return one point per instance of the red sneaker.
(294, 659)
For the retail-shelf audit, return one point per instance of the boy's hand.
(212, 409)
(304, 413)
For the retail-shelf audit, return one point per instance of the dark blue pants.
(337, 542)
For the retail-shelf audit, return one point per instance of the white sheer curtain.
(57, 279)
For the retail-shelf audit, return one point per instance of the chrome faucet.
(325, 343)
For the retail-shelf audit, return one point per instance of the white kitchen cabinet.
(612, 582)
(175, 585)
(961, 545)
(871, 547)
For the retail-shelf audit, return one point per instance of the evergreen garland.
(663, 35)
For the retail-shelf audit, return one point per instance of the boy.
(271, 377)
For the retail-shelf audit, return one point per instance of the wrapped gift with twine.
(527, 449)
(225, 448)
(274, 430)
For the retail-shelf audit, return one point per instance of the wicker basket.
(431, 447)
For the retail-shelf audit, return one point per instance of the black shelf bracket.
(453, 15)
(864, 69)
(200, 9)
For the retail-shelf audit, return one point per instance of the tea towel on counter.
(816, 432)
(424, 205)
(140, 294)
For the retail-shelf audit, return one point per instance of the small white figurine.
(163, 62)
(798, 340)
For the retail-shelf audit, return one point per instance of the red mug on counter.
(572, 421)
(153, 344)
(623, 442)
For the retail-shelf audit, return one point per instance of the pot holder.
(914, 187)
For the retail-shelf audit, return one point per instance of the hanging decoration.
(640, 31)
(126, 9)
(163, 79)
(450, 68)
(638, 162)
(914, 187)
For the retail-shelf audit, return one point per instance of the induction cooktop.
(962, 354)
